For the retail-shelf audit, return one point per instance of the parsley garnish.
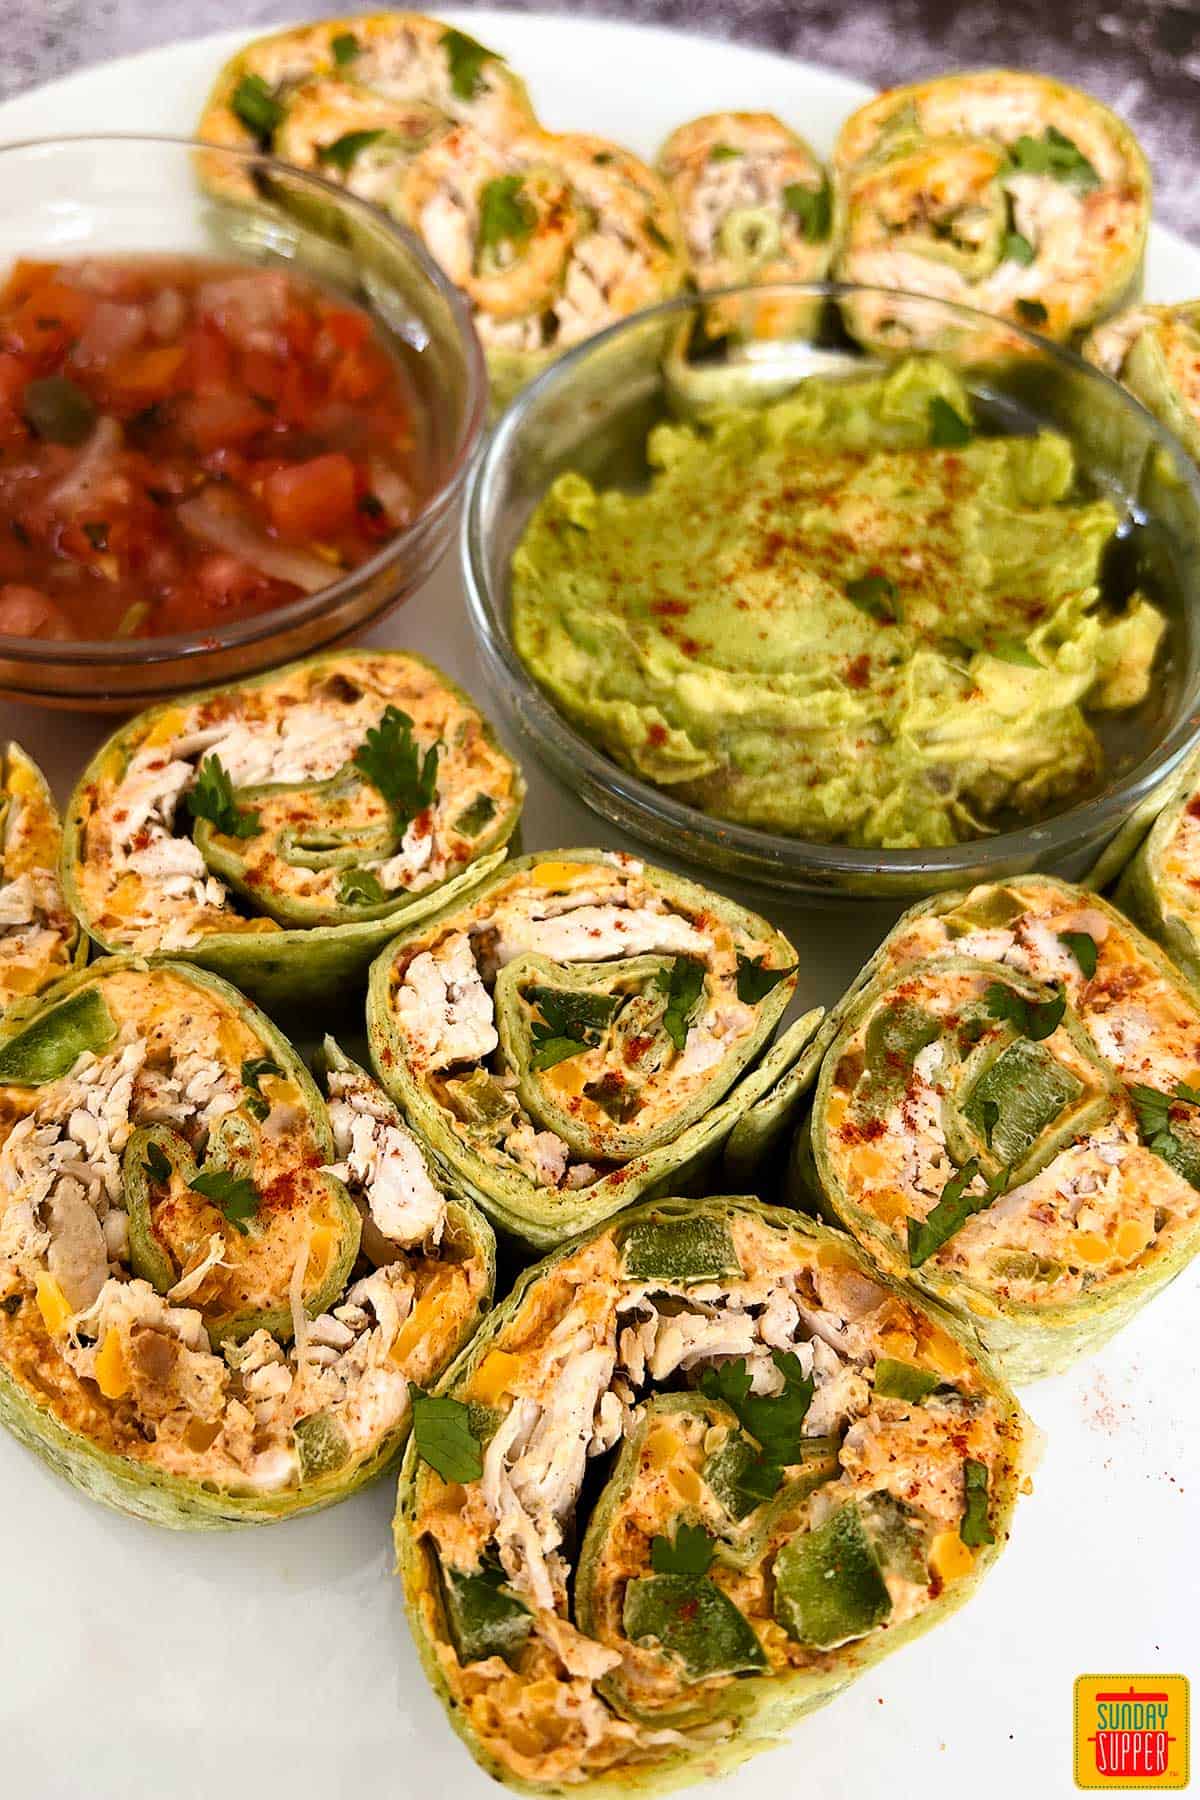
(723, 153)
(253, 1070)
(1153, 1109)
(345, 47)
(874, 595)
(948, 430)
(342, 152)
(234, 1195)
(813, 209)
(158, 1164)
(256, 106)
(212, 799)
(573, 1022)
(955, 1207)
(506, 215)
(690, 1553)
(755, 980)
(975, 1527)
(683, 987)
(389, 759)
(359, 887)
(1036, 1019)
(1017, 248)
(466, 59)
(1082, 946)
(444, 1437)
(1032, 311)
(1052, 154)
(774, 1421)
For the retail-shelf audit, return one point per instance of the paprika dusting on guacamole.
(843, 615)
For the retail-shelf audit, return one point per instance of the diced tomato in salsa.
(185, 443)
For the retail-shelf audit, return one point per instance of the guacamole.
(843, 615)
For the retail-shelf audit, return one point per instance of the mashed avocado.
(842, 615)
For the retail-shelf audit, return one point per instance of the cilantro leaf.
(690, 1553)
(1032, 312)
(1052, 154)
(505, 213)
(360, 887)
(947, 428)
(345, 47)
(234, 1195)
(466, 58)
(1036, 1019)
(212, 798)
(570, 1023)
(1153, 1110)
(953, 1209)
(683, 987)
(389, 759)
(1082, 946)
(990, 1113)
(158, 1164)
(874, 595)
(343, 151)
(755, 980)
(253, 1070)
(975, 1527)
(444, 1437)
(1017, 248)
(775, 1421)
(256, 106)
(812, 207)
(723, 153)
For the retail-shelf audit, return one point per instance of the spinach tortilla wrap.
(280, 830)
(581, 1032)
(1008, 1117)
(702, 1468)
(201, 1323)
(1001, 190)
(39, 939)
(1159, 884)
(1154, 351)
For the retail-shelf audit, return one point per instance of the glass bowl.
(116, 195)
(591, 411)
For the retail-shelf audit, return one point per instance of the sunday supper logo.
(1131, 1731)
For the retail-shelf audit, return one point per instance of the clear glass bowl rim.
(773, 855)
(149, 651)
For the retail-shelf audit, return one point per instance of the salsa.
(186, 443)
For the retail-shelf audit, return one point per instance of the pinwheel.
(1009, 1117)
(699, 1470)
(580, 1032)
(212, 1305)
(1155, 351)
(279, 831)
(39, 939)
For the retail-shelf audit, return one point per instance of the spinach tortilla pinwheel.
(280, 830)
(698, 1471)
(211, 1303)
(39, 939)
(353, 98)
(1155, 352)
(1160, 884)
(1009, 1116)
(756, 207)
(581, 1032)
(1001, 190)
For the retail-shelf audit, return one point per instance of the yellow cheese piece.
(949, 1557)
(568, 1077)
(686, 1483)
(168, 727)
(1132, 1238)
(662, 1448)
(1089, 1247)
(112, 1371)
(52, 1303)
(494, 1376)
(320, 1248)
(551, 874)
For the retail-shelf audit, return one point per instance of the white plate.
(278, 1661)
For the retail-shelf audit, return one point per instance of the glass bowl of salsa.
(237, 408)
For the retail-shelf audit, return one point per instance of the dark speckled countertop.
(1142, 56)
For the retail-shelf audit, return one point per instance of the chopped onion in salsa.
(185, 443)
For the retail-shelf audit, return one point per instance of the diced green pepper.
(681, 1250)
(899, 1536)
(321, 1444)
(471, 821)
(50, 1047)
(739, 1476)
(693, 1620)
(1030, 1088)
(975, 1528)
(990, 910)
(897, 1035)
(902, 1381)
(829, 1587)
(484, 1618)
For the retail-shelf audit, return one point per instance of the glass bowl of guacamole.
(837, 620)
